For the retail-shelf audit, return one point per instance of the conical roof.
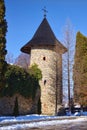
(44, 36)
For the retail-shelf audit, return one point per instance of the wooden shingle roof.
(44, 36)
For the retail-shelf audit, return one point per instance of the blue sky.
(24, 17)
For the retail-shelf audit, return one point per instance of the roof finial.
(45, 11)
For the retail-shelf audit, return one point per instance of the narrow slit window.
(45, 82)
(44, 58)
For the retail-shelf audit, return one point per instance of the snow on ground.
(40, 124)
(30, 121)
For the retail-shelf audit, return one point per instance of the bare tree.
(10, 58)
(55, 75)
(68, 58)
(23, 60)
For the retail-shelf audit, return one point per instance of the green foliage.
(19, 81)
(3, 30)
(80, 68)
(81, 45)
(35, 71)
(16, 108)
(81, 53)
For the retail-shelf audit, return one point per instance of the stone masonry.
(7, 105)
(51, 66)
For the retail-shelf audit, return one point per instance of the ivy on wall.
(20, 81)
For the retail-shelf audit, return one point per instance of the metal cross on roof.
(45, 11)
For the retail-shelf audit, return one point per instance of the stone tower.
(46, 51)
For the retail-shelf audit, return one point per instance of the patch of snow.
(77, 114)
(77, 106)
(25, 118)
(84, 113)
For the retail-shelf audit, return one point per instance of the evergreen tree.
(3, 30)
(39, 106)
(80, 70)
(16, 109)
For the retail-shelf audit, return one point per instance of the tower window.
(45, 82)
(44, 58)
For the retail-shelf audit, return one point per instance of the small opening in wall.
(44, 58)
(45, 82)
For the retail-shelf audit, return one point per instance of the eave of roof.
(44, 36)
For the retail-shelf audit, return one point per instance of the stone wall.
(7, 105)
(49, 62)
(59, 81)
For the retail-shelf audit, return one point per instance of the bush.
(61, 111)
(35, 72)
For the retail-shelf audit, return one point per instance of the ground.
(36, 122)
